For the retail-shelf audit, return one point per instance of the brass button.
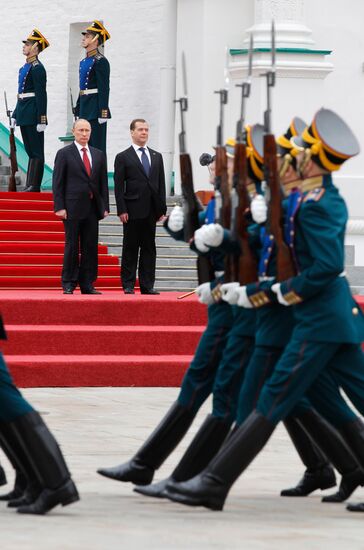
(271, 237)
(355, 311)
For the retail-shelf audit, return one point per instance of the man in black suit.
(81, 199)
(141, 201)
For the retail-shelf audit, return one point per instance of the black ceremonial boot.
(34, 175)
(26, 487)
(3, 480)
(201, 450)
(319, 474)
(48, 463)
(210, 488)
(353, 434)
(140, 469)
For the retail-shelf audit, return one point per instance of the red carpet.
(31, 245)
(107, 340)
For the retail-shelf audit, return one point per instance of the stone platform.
(104, 426)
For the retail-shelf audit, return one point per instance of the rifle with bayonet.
(245, 269)
(222, 188)
(12, 148)
(191, 205)
(73, 108)
(285, 264)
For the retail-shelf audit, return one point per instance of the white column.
(168, 88)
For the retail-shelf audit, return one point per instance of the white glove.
(199, 239)
(204, 294)
(243, 300)
(213, 234)
(41, 127)
(102, 120)
(229, 294)
(176, 219)
(258, 208)
(12, 123)
(276, 288)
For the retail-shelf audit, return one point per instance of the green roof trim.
(245, 51)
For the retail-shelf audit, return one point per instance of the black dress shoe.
(67, 291)
(356, 507)
(322, 478)
(129, 291)
(149, 291)
(155, 490)
(90, 291)
(49, 498)
(349, 482)
(129, 471)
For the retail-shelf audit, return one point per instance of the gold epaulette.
(259, 299)
(216, 293)
(292, 298)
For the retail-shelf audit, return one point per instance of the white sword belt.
(89, 91)
(24, 96)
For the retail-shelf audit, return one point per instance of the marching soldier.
(93, 100)
(30, 112)
(329, 326)
(31, 450)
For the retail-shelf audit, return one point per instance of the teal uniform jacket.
(32, 110)
(12, 403)
(325, 310)
(94, 74)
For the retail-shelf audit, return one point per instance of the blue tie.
(145, 161)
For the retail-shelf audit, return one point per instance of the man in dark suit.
(81, 199)
(141, 201)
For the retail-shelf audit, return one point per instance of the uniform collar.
(31, 59)
(92, 53)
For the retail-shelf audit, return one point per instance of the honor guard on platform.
(93, 100)
(30, 112)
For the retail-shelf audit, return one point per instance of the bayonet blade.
(184, 74)
(273, 48)
(226, 68)
(250, 65)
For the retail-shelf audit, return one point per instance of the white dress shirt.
(139, 153)
(80, 147)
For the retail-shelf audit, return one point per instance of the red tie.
(86, 161)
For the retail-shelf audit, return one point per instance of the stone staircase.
(176, 263)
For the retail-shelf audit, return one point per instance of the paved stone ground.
(100, 427)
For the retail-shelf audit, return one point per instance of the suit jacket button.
(355, 311)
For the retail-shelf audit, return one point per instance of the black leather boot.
(3, 480)
(48, 463)
(24, 474)
(140, 469)
(319, 474)
(34, 175)
(210, 488)
(356, 507)
(201, 450)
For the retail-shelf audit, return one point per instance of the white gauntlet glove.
(204, 294)
(199, 239)
(243, 300)
(41, 127)
(12, 123)
(276, 288)
(229, 294)
(176, 219)
(102, 120)
(258, 209)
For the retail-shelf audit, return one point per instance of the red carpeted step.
(101, 340)
(39, 248)
(21, 196)
(52, 282)
(31, 225)
(49, 271)
(112, 308)
(48, 259)
(102, 370)
(20, 205)
(27, 215)
(33, 236)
